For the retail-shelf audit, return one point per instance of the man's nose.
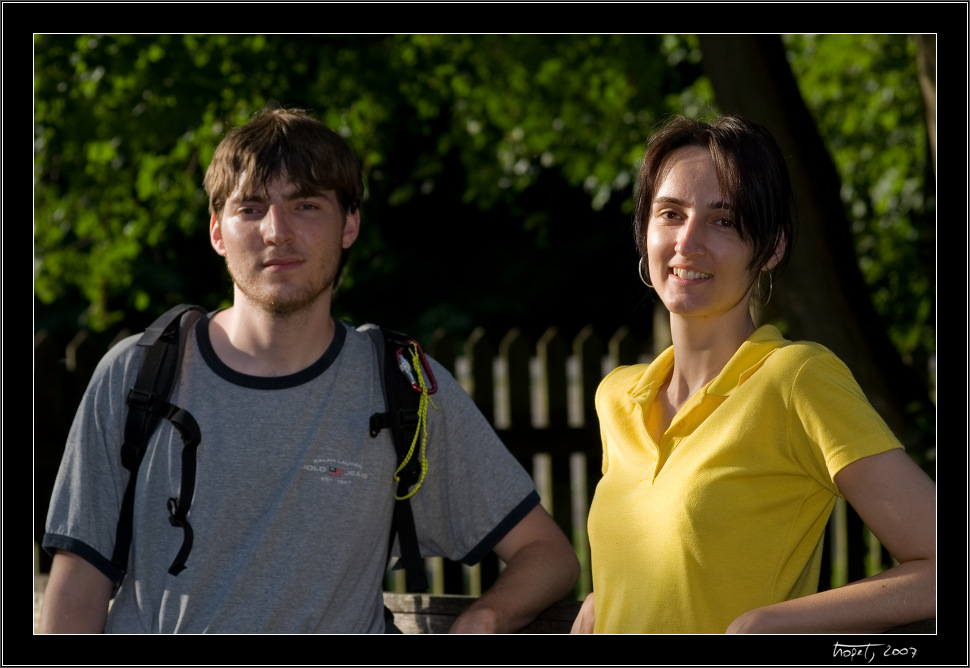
(277, 227)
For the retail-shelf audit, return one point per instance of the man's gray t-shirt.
(293, 498)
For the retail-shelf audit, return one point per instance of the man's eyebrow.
(306, 191)
(246, 198)
(720, 204)
(300, 193)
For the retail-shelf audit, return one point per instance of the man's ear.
(351, 228)
(215, 235)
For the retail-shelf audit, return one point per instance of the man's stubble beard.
(304, 298)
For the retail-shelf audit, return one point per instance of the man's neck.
(260, 343)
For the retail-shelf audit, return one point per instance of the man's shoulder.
(372, 332)
(122, 357)
(371, 337)
(359, 339)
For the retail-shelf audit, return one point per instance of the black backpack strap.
(403, 394)
(148, 402)
(178, 508)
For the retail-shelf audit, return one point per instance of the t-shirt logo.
(336, 470)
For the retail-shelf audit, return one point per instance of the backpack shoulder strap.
(148, 402)
(402, 394)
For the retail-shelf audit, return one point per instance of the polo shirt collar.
(657, 371)
(749, 357)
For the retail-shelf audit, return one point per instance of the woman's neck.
(701, 350)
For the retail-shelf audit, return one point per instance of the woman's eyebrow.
(720, 204)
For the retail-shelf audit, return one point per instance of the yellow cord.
(422, 429)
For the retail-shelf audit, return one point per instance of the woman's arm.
(897, 501)
(586, 618)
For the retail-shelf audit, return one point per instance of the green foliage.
(125, 126)
(494, 165)
(117, 165)
(864, 94)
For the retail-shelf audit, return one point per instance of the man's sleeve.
(84, 508)
(475, 491)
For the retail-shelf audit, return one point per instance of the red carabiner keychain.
(410, 371)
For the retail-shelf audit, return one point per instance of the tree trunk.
(927, 82)
(822, 295)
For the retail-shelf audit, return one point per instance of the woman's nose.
(690, 238)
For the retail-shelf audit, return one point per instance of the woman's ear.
(777, 254)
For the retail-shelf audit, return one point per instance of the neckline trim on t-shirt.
(267, 382)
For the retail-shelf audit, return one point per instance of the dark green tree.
(499, 173)
(860, 279)
(495, 165)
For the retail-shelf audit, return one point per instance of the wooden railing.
(539, 395)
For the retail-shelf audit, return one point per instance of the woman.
(722, 459)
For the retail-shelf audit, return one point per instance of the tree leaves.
(474, 148)
(865, 96)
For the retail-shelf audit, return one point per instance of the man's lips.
(281, 263)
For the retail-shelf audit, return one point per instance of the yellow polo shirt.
(727, 512)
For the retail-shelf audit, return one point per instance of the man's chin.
(284, 308)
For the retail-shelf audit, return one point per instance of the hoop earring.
(771, 286)
(640, 274)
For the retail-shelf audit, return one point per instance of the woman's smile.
(699, 264)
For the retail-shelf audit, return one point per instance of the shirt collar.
(749, 357)
(653, 377)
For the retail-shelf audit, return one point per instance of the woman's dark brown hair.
(752, 173)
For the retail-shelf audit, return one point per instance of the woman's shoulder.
(790, 352)
(807, 363)
(622, 374)
(622, 379)
(635, 380)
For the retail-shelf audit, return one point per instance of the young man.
(293, 497)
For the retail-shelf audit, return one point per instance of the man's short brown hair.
(284, 142)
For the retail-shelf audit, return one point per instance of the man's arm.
(897, 501)
(76, 598)
(540, 568)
